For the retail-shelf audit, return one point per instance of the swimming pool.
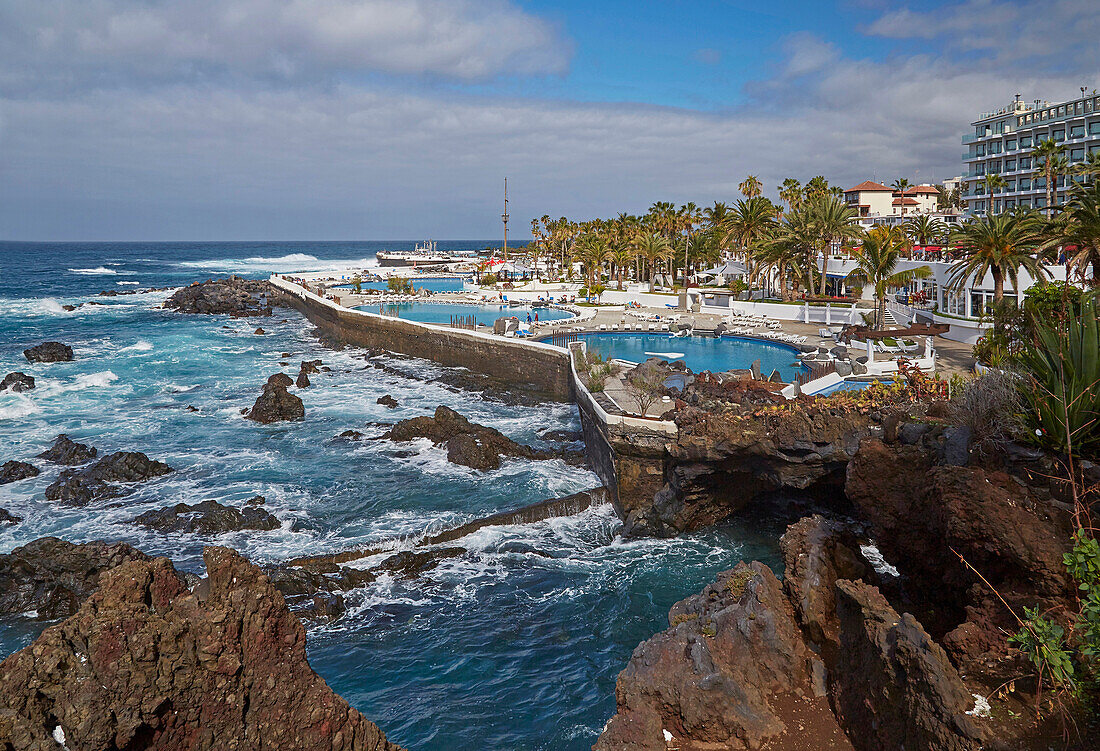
(843, 386)
(700, 353)
(442, 312)
(432, 285)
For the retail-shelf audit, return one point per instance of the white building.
(878, 204)
(1001, 144)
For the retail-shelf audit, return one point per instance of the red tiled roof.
(905, 201)
(916, 189)
(868, 186)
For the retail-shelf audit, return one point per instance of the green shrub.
(399, 285)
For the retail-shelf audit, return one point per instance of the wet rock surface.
(234, 296)
(49, 352)
(7, 518)
(147, 663)
(409, 564)
(17, 382)
(107, 478)
(51, 577)
(13, 471)
(307, 368)
(467, 443)
(276, 404)
(387, 401)
(67, 451)
(208, 517)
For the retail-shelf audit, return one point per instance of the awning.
(729, 268)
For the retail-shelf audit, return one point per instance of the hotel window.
(1010, 144)
(1040, 182)
(1010, 165)
(1077, 108)
(1025, 183)
(1025, 142)
(1094, 128)
(1010, 185)
(977, 303)
(1077, 155)
(1077, 131)
(995, 147)
(1061, 110)
(1094, 148)
(1040, 202)
(1060, 135)
(1009, 204)
(1025, 162)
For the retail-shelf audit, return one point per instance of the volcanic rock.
(17, 382)
(259, 332)
(78, 487)
(146, 663)
(467, 443)
(49, 352)
(51, 577)
(66, 451)
(13, 471)
(208, 517)
(307, 368)
(387, 401)
(731, 672)
(409, 564)
(276, 403)
(6, 517)
(234, 295)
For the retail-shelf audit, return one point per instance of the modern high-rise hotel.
(1002, 141)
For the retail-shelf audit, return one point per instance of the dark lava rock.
(69, 452)
(562, 436)
(13, 471)
(235, 296)
(387, 401)
(467, 443)
(6, 517)
(49, 352)
(409, 565)
(78, 487)
(276, 403)
(307, 367)
(259, 331)
(17, 382)
(53, 577)
(208, 517)
(147, 663)
(349, 435)
(256, 500)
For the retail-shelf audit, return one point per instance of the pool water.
(442, 312)
(843, 386)
(700, 353)
(432, 285)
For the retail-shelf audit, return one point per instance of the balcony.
(969, 138)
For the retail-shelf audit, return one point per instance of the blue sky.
(375, 119)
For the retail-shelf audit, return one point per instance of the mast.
(504, 218)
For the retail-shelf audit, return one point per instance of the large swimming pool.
(442, 312)
(700, 352)
(432, 285)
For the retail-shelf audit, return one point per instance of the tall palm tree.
(791, 192)
(621, 257)
(1090, 167)
(901, 185)
(1000, 245)
(1077, 231)
(751, 187)
(923, 229)
(592, 252)
(834, 221)
(749, 222)
(993, 182)
(653, 247)
(876, 264)
(1048, 158)
(816, 187)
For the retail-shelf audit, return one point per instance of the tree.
(751, 187)
(834, 221)
(621, 257)
(876, 264)
(791, 192)
(817, 187)
(653, 247)
(592, 252)
(993, 182)
(749, 222)
(923, 229)
(1077, 231)
(1000, 245)
(1048, 159)
(1089, 168)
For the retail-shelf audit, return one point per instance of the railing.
(563, 339)
(464, 322)
(817, 370)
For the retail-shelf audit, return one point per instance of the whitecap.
(289, 262)
(128, 283)
(100, 271)
(17, 406)
(139, 346)
(32, 307)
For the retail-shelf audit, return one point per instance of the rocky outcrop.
(467, 443)
(49, 352)
(79, 487)
(276, 404)
(208, 517)
(720, 462)
(13, 471)
(410, 564)
(146, 663)
(892, 686)
(50, 577)
(307, 368)
(17, 382)
(7, 518)
(387, 401)
(234, 296)
(731, 672)
(67, 451)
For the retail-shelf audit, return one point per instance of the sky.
(386, 119)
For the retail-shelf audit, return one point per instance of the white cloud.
(130, 42)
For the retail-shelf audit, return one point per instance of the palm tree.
(834, 221)
(993, 182)
(749, 222)
(1048, 159)
(816, 187)
(999, 245)
(923, 229)
(592, 252)
(901, 185)
(751, 187)
(1090, 167)
(791, 192)
(621, 256)
(653, 247)
(1077, 230)
(876, 263)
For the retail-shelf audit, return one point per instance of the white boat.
(425, 254)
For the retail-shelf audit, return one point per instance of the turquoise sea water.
(441, 312)
(700, 352)
(515, 645)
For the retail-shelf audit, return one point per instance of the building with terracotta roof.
(877, 201)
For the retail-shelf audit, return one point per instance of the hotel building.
(1001, 144)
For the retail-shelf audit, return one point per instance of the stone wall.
(519, 362)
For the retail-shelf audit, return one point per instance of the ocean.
(514, 645)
